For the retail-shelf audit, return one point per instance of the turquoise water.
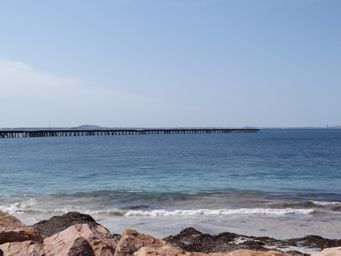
(277, 172)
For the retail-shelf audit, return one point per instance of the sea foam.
(19, 207)
(217, 212)
(325, 203)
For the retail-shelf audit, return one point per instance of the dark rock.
(315, 241)
(57, 224)
(296, 253)
(192, 240)
(251, 244)
(116, 236)
(265, 239)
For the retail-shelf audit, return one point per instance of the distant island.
(89, 127)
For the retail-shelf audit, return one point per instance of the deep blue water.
(278, 161)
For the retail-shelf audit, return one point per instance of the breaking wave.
(217, 212)
(19, 207)
(29, 206)
(325, 203)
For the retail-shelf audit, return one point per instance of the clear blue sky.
(170, 63)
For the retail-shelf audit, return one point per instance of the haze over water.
(260, 183)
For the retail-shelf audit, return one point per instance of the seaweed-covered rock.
(57, 224)
(315, 241)
(192, 240)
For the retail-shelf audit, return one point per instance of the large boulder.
(12, 230)
(173, 251)
(81, 239)
(57, 224)
(335, 251)
(131, 241)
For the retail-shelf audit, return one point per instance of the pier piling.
(24, 133)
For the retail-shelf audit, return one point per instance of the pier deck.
(22, 133)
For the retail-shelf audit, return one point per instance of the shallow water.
(279, 182)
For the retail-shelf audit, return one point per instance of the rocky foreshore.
(79, 234)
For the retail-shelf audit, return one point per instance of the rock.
(81, 239)
(12, 230)
(57, 224)
(335, 251)
(131, 241)
(315, 241)
(173, 251)
(22, 248)
(192, 240)
(255, 245)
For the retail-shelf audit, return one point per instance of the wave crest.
(217, 212)
(326, 203)
(19, 207)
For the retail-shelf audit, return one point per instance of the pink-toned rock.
(173, 251)
(22, 248)
(12, 230)
(334, 251)
(169, 251)
(81, 239)
(131, 241)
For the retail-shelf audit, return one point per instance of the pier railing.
(22, 133)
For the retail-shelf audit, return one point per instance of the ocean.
(277, 182)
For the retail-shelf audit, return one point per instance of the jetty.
(27, 133)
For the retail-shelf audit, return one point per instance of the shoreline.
(257, 214)
(189, 239)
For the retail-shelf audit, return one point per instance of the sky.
(170, 63)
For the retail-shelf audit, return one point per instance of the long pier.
(26, 133)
